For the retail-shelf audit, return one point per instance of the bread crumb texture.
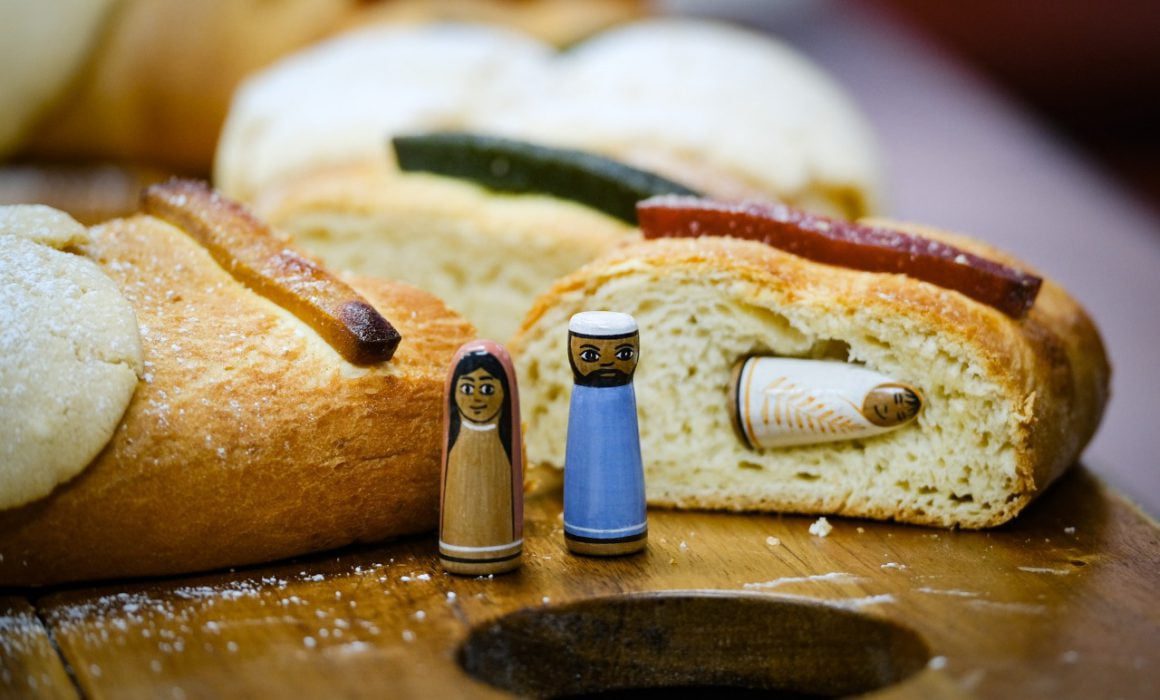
(1009, 404)
(70, 354)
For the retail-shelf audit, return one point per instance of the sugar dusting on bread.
(70, 354)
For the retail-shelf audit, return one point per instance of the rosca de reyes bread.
(1008, 386)
(324, 169)
(278, 410)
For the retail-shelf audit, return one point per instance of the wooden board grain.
(29, 665)
(1060, 603)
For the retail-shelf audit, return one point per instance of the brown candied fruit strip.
(249, 250)
(835, 242)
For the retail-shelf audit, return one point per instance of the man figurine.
(604, 500)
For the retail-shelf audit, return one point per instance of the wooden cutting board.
(1061, 603)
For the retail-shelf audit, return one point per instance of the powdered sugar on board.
(217, 618)
(1043, 570)
(856, 603)
(20, 632)
(29, 665)
(832, 577)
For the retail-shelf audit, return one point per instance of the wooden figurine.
(604, 499)
(481, 509)
(780, 401)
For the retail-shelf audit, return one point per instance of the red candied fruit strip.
(835, 242)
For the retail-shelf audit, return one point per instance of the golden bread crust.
(1051, 364)
(250, 438)
(1064, 374)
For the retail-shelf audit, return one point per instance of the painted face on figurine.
(891, 404)
(603, 361)
(479, 396)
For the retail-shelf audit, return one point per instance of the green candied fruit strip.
(507, 165)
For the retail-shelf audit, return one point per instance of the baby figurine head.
(603, 348)
(890, 405)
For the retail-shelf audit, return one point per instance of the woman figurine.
(604, 499)
(481, 504)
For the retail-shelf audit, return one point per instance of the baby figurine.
(481, 510)
(783, 402)
(604, 499)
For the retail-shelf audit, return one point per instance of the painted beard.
(602, 378)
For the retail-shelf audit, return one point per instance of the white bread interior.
(1009, 404)
(487, 255)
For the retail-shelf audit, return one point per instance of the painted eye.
(624, 354)
(487, 389)
(589, 355)
(466, 389)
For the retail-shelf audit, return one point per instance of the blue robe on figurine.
(603, 473)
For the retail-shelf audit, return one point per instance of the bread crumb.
(821, 528)
(772, 541)
(861, 530)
